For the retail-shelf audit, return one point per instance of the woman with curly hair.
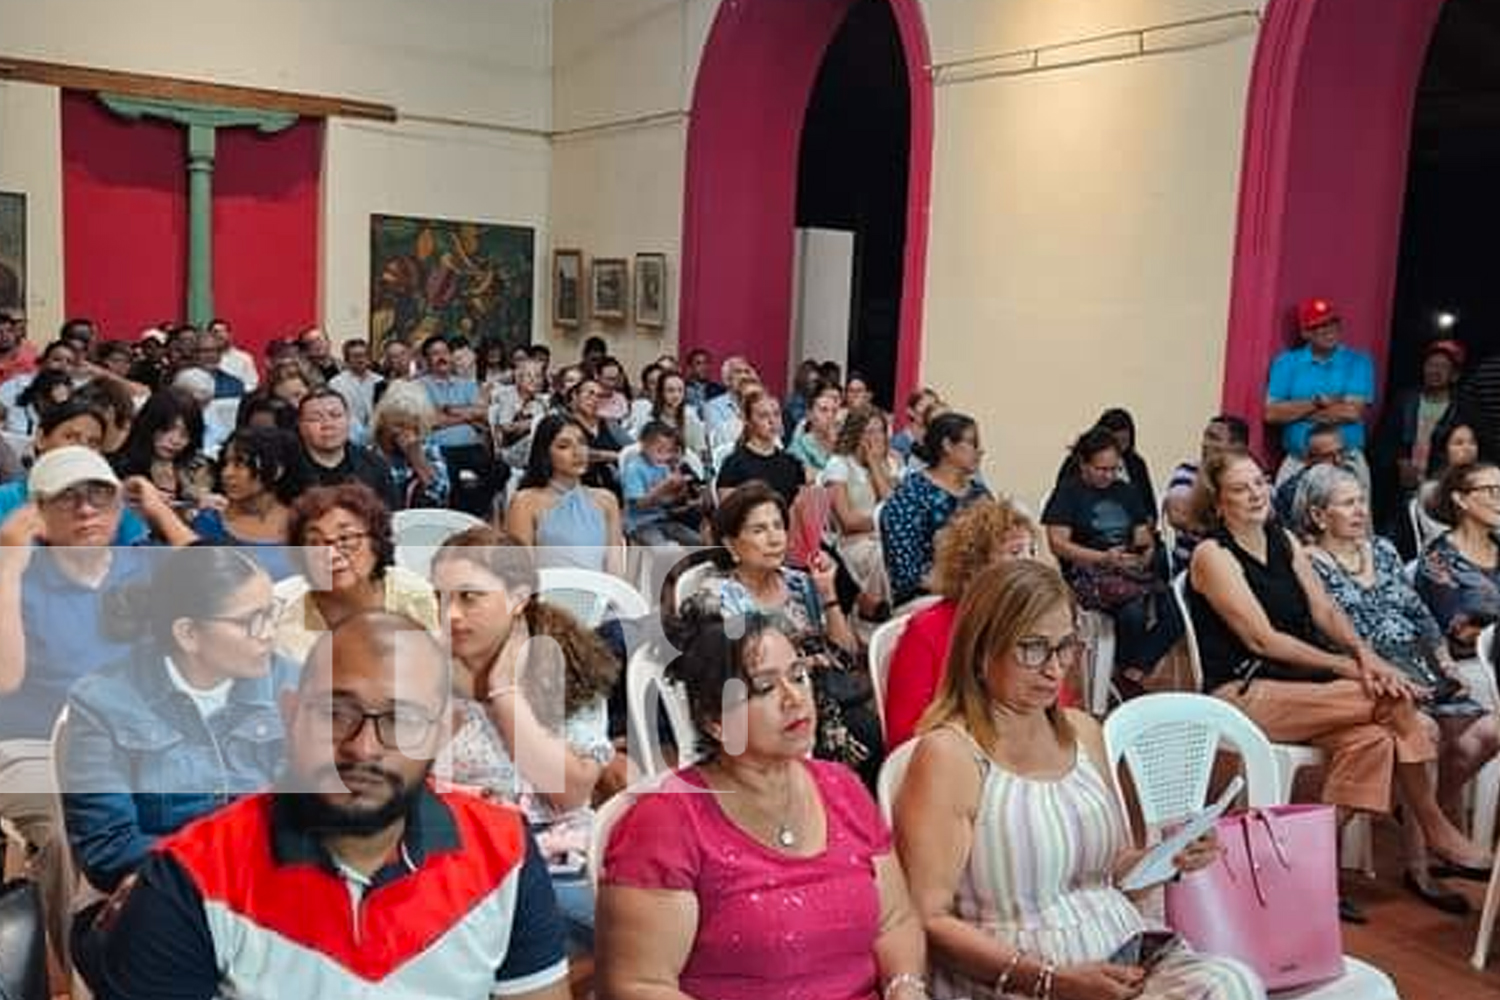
(346, 553)
(859, 476)
(984, 534)
(534, 724)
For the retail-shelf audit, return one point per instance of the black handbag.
(23, 942)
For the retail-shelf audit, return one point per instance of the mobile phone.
(1144, 949)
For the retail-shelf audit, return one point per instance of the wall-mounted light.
(1444, 320)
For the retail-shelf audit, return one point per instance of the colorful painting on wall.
(434, 276)
(12, 250)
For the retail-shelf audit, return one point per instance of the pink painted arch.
(1327, 135)
(744, 137)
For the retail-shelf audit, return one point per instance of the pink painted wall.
(1328, 131)
(744, 137)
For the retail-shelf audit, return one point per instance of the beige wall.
(1082, 227)
(1082, 216)
(621, 89)
(31, 163)
(471, 78)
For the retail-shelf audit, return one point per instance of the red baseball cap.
(1313, 313)
(1452, 348)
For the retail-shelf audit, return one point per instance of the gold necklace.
(784, 832)
(1358, 569)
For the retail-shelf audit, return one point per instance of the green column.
(200, 165)
(202, 122)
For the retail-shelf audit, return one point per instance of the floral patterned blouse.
(909, 523)
(1389, 614)
(477, 758)
(1460, 592)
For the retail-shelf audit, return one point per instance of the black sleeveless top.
(1274, 583)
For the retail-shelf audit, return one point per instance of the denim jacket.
(132, 737)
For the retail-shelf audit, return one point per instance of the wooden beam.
(172, 88)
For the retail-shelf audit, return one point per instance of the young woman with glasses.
(182, 726)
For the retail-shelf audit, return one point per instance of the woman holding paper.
(1009, 828)
(753, 578)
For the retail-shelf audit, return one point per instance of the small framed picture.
(567, 287)
(651, 290)
(609, 287)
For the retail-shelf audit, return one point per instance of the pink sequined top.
(769, 925)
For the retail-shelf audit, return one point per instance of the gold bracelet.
(1008, 971)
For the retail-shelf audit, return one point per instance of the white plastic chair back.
(421, 531)
(1100, 629)
(21, 444)
(892, 773)
(590, 596)
(688, 583)
(1179, 594)
(1168, 742)
(882, 649)
(646, 687)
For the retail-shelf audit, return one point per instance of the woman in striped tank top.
(1009, 828)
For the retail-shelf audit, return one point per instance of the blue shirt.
(1297, 375)
(640, 478)
(64, 625)
(132, 530)
(273, 557)
(453, 392)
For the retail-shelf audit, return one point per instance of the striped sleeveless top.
(1038, 875)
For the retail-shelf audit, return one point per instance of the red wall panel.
(124, 218)
(125, 223)
(266, 231)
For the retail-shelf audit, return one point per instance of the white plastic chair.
(590, 596)
(1357, 850)
(626, 454)
(421, 531)
(892, 773)
(1101, 628)
(882, 649)
(646, 686)
(1479, 675)
(689, 582)
(21, 444)
(1168, 742)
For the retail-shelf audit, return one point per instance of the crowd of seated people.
(255, 569)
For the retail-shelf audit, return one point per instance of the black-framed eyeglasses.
(395, 728)
(1035, 653)
(257, 624)
(1491, 490)
(346, 543)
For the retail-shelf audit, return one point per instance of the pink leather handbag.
(1271, 900)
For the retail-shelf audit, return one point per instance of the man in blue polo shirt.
(353, 877)
(461, 429)
(1322, 382)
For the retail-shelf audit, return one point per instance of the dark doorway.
(1450, 239)
(853, 176)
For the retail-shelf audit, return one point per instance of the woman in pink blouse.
(757, 872)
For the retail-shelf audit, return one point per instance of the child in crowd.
(660, 498)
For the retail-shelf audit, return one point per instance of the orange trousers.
(1364, 737)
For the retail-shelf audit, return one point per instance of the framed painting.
(609, 287)
(438, 276)
(12, 250)
(567, 287)
(651, 290)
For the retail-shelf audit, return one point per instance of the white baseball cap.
(61, 468)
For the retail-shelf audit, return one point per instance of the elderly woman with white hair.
(401, 431)
(1364, 576)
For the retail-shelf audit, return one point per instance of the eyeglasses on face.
(1490, 490)
(99, 496)
(799, 675)
(257, 624)
(349, 542)
(1035, 652)
(395, 728)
